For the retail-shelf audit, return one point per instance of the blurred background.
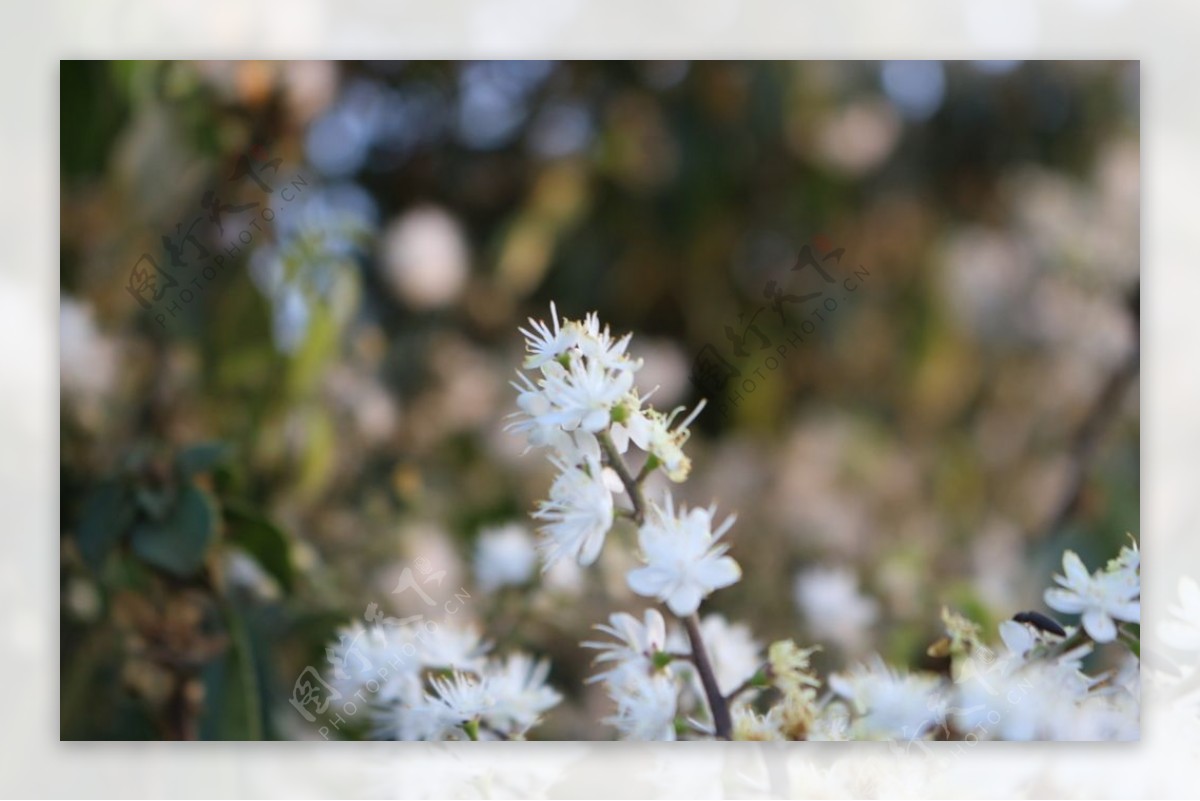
(290, 294)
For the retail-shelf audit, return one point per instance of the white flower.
(579, 514)
(450, 646)
(646, 705)
(520, 695)
(546, 344)
(749, 725)
(535, 418)
(1184, 633)
(583, 395)
(634, 643)
(1038, 700)
(833, 606)
(1100, 598)
(504, 556)
(651, 431)
(385, 654)
(598, 345)
(453, 704)
(684, 563)
(889, 704)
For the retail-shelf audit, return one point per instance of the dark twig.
(716, 702)
(632, 487)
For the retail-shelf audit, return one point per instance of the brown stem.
(722, 722)
(632, 487)
(716, 702)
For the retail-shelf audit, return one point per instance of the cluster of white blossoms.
(437, 682)
(687, 676)
(683, 675)
(579, 401)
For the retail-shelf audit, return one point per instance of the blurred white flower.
(749, 725)
(450, 645)
(388, 655)
(1101, 598)
(684, 562)
(646, 704)
(1184, 632)
(504, 556)
(634, 642)
(425, 258)
(389, 667)
(455, 704)
(889, 704)
(520, 694)
(833, 607)
(579, 514)
(87, 360)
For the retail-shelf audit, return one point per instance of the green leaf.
(202, 458)
(179, 542)
(155, 503)
(262, 540)
(107, 515)
(235, 707)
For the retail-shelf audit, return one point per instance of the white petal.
(718, 573)
(1064, 601)
(1074, 569)
(639, 430)
(685, 600)
(591, 549)
(620, 438)
(645, 581)
(588, 445)
(1130, 611)
(1099, 626)
(612, 481)
(595, 420)
(1017, 637)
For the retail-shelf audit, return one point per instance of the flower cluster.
(672, 673)
(431, 682)
(694, 677)
(580, 403)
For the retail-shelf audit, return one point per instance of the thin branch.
(716, 702)
(632, 487)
